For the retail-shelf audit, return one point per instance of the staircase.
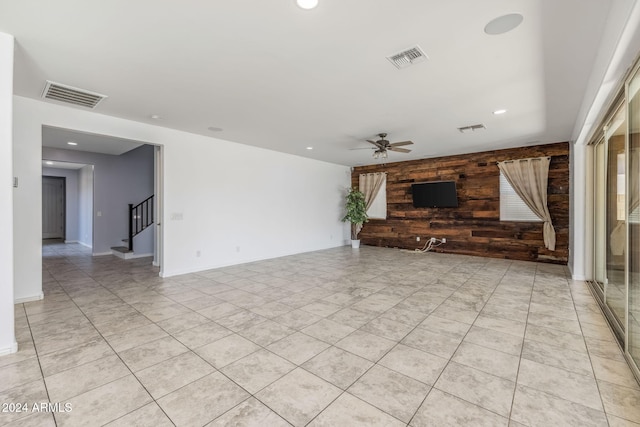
(140, 218)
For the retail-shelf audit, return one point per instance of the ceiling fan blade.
(399, 150)
(398, 144)
(363, 148)
(376, 143)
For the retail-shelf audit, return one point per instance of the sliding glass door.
(633, 333)
(615, 292)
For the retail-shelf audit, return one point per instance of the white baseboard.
(13, 348)
(85, 244)
(130, 255)
(29, 299)
(578, 277)
(71, 241)
(155, 263)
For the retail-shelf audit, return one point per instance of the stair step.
(121, 249)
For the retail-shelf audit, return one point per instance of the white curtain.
(370, 185)
(529, 178)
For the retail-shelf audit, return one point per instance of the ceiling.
(60, 138)
(272, 75)
(62, 165)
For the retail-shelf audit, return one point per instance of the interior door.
(53, 213)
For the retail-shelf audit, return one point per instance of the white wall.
(71, 226)
(7, 333)
(237, 203)
(85, 206)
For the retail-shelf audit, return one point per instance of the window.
(512, 208)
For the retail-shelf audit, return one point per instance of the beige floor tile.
(558, 357)
(19, 373)
(250, 413)
(408, 317)
(387, 328)
(577, 388)
(202, 401)
(298, 347)
(173, 373)
(394, 393)
(369, 346)
(328, 331)
(29, 393)
(202, 335)
(446, 327)
(557, 338)
(72, 382)
(257, 370)
(182, 322)
(444, 410)
(266, 332)
(417, 364)
(622, 402)
(614, 372)
(485, 390)
(226, 350)
(538, 409)
(149, 415)
(134, 337)
(148, 354)
(337, 366)
(500, 341)
(297, 319)
(487, 360)
(241, 320)
(104, 404)
(73, 338)
(439, 345)
(348, 410)
(298, 396)
(507, 326)
(36, 419)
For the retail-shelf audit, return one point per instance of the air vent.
(472, 128)
(71, 95)
(411, 56)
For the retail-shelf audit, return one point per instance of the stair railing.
(140, 217)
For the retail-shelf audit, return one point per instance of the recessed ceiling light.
(214, 129)
(72, 143)
(49, 163)
(309, 148)
(503, 24)
(155, 117)
(307, 4)
(498, 112)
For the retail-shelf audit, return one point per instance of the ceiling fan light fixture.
(307, 4)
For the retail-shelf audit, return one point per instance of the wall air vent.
(411, 56)
(71, 95)
(472, 128)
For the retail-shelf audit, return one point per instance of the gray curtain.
(370, 184)
(529, 178)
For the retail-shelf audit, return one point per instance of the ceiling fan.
(382, 146)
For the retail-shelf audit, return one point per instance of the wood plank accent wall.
(474, 227)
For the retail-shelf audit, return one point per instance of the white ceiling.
(273, 75)
(59, 138)
(62, 165)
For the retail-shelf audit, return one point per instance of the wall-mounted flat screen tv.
(436, 194)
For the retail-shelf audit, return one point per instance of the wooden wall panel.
(474, 227)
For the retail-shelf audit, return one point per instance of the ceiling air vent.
(71, 95)
(472, 128)
(407, 57)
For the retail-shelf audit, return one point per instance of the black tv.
(436, 194)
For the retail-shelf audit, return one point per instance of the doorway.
(53, 207)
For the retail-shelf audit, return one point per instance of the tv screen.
(437, 194)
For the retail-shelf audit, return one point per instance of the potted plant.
(356, 214)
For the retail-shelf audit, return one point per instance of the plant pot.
(355, 244)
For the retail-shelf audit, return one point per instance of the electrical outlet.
(433, 240)
(418, 239)
(444, 240)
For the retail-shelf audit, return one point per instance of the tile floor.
(330, 338)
